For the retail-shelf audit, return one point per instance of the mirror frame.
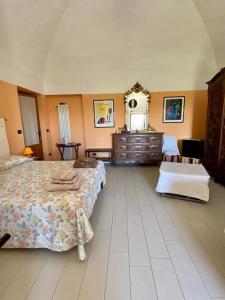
(137, 89)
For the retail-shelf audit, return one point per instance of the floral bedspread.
(36, 218)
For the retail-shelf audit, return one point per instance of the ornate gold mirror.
(137, 101)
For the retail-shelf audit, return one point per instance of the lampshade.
(27, 151)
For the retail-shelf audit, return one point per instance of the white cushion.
(170, 145)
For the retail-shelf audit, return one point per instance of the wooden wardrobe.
(215, 135)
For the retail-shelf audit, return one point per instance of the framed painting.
(104, 113)
(173, 109)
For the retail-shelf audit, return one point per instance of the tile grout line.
(195, 265)
(65, 263)
(36, 278)
(167, 251)
(29, 254)
(6, 258)
(78, 296)
(27, 294)
(145, 238)
(125, 182)
(183, 242)
(210, 230)
(106, 279)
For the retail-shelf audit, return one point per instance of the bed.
(36, 218)
(187, 181)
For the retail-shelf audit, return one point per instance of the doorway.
(31, 123)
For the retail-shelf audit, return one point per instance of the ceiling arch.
(27, 28)
(213, 16)
(65, 46)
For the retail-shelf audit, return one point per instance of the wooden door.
(222, 143)
(214, 123)
(31, 123)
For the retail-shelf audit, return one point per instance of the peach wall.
(195, 113)
(82, 118)
(194, 116)
(9, 108)
(76, 121)
(101, 137)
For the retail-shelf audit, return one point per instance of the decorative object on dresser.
(173, 109)
(139, 148)
(214, 158)
(104, 113)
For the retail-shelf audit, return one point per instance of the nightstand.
(37, 157)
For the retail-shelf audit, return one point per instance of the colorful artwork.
(104, 113)
(173, 111)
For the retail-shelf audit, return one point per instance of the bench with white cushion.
(185, 180)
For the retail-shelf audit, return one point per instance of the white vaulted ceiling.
(99, 46)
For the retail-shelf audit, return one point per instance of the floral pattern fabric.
(10, 161)
(36, 218)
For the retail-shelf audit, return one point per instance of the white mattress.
(190, 180)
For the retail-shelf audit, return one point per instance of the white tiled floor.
(145, 247)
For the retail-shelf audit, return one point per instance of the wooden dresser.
(214, 158)
(139, 148)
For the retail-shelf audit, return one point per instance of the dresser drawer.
(155, 139)
(138, 147)
(122, 155)
(155, 147)
(122, 147)
(138, 139)
(153, 156)
(137, 156)
(120, 140)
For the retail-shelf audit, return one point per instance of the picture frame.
(104, 113)
(173, 109)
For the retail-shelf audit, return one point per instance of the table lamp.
(28, 151)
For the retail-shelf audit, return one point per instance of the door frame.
(24, 92)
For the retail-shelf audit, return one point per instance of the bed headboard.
(4, 144)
